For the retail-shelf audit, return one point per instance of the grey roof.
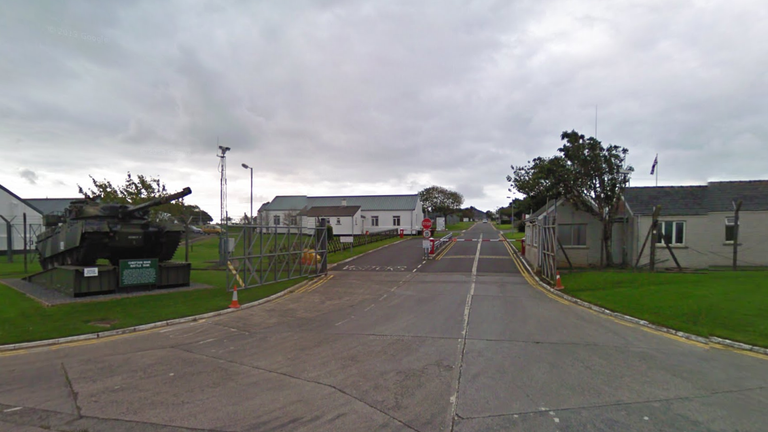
(699, 200)
(333, 211)
(289, 202)
(674, 200)
(51, 205)
(26, 202)
(366, 202)
(754, 195)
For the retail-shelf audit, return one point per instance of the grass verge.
(459, 226)
(726, 304)
(24, 320)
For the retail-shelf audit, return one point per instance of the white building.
(12, 210)
(347, 214)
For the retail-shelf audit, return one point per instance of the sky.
(356, 97)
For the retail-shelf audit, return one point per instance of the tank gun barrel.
(158, 201)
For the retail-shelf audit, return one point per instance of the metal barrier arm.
(441, 243)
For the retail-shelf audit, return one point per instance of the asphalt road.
(392, 343)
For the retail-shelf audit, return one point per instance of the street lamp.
(250, 168)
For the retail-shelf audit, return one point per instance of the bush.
(329, 231)
(521, 227)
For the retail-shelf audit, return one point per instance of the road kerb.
(712, 340)
(145, 327)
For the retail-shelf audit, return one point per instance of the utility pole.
(251, 214)
(737, 208)
(655, 237)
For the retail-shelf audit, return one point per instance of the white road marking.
(206, 341)
(463, 341)
(557, 420)
(369, 307)
(342, 322)
(645, 418)
(13, 409)
(383, 297)
(170, 374)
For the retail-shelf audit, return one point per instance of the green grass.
(459, 226)
(730, 305)
(24, 320)
(16, 268)
(502, 226)
(515, 236)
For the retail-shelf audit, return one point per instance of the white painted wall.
(410, 221)
(13, 210)
(705, 243)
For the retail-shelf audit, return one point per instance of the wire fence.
(336, 245)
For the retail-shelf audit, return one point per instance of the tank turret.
(88, 231)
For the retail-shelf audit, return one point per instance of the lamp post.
(250, 168)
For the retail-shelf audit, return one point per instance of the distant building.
(12, 211)
(347, 214)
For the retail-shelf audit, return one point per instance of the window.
(338, 221)
(276, 219)
(294, 221)
(673, 232)
(730, 223)
(396, 220)
(572, 235)
(374, 221)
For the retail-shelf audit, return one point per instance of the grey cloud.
(347, 96)
(28, 175)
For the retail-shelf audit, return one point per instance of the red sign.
(426, 223)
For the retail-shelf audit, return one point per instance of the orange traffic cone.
(558, 284)
(235, 304)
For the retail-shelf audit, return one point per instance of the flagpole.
(657, 169)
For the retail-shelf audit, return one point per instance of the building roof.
(286, 202)
(674, 200)
(365, 202)
(320, 211)
(51, 205)
(698, 200)
(753, 194)
(22, 200)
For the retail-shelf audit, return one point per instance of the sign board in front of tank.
(136, 272)
(440, 224)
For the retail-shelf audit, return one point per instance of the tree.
(586, 173)
(439, 200)
(135, 191)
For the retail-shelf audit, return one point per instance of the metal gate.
(259, 255)
(549, 250)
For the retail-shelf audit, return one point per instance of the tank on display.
(89, 231)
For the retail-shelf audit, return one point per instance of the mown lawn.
(459, 226)
(726, 304)
(23, 319)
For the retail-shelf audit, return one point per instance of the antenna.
(595, 121)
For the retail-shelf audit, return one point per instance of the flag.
(655, 162)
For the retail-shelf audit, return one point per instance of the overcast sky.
(335, 97)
